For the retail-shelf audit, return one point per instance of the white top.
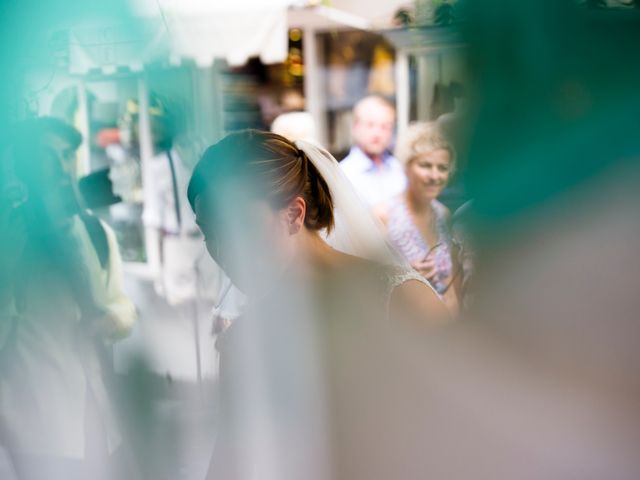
(374, 184)
(160, 204)
(50, 366)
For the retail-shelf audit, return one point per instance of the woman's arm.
(458, 273)
(452, 295)
(418, 302)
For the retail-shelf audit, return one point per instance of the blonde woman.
(417, 223)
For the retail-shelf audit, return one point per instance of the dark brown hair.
(274, 168)
(59, 128)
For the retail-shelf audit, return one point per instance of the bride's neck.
(316, 258)
(316, 251)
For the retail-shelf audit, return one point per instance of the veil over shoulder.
(356, 231)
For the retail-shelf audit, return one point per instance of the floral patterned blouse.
(407, 239)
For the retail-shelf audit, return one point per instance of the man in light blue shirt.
(374, 172)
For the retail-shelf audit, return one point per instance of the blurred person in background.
(461, 232)
(291, 101)
(417, 223)
(295, 126)
(184, 274)
(63, 139)
(45, 163)
(166, 216)
(454, 125)
(69, 308)
(177, 251)
(12, 196)
(543, 381)
(374, 172)
(309, 371)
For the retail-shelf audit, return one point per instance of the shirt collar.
(365, 162)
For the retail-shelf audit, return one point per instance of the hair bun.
(318, 197)
(274, 167)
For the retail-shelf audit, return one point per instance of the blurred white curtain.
(174, 30)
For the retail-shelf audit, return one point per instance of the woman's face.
(428, 173)
(248, 239)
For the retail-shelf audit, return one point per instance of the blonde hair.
(423, 137)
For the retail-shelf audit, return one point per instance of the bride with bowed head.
(323, 348)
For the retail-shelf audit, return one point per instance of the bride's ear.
(296, 212)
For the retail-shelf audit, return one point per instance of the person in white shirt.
(374, 172)
(185, 276)
(176, 251)
(62, 308)
(165, 179)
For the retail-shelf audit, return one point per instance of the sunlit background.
(538, 378)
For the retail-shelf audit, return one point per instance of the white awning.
(234, 36)
(321, 18)
(170, 31)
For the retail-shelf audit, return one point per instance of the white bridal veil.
(356, 231)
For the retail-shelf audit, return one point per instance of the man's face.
(373, 127)
(64, 151)
(56, 183)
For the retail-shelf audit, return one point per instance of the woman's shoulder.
(389, 277)
(390, 283)
(351, 265)
(397, 275)
(412, 296)
(365, 275)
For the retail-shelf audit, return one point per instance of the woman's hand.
(426, 268)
